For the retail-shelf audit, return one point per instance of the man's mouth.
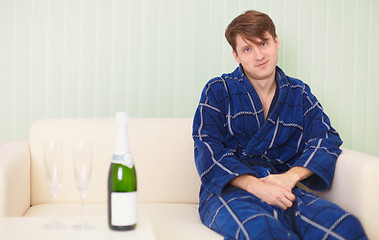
(262, 64)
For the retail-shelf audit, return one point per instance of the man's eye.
(263, 44)
(247, 49)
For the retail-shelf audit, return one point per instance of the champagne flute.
(53, 173)
(83, 170)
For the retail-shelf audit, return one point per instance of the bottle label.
(124, 208)
(125, 159)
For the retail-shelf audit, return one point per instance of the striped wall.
(90, 58)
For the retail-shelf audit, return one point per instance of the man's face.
(258, 59)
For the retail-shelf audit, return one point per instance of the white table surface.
(19, 228)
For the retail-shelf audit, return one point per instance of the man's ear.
(277, 42)
(235, 55)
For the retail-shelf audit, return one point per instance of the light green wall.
(90, 58)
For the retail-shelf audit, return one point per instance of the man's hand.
(275, 189)
(290, 178)
(284, 180)
(274, 194)
(270, 193)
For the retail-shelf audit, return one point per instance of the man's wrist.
(299, 173)
(245, 182)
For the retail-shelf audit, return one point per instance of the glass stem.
(82, 205)
(54, 193)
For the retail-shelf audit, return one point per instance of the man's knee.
(350, 228)
(264, 227)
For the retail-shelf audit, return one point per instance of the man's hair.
(251, 24)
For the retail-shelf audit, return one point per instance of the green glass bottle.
(122, 181)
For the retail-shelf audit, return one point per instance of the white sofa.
(168, 183)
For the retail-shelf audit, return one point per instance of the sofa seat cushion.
(169, 220)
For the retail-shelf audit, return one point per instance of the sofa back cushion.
(162, 151)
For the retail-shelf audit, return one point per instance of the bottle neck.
(121, 144)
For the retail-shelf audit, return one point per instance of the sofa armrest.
(355, 188)
(14, 179)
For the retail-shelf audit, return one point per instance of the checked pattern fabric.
(232, 138)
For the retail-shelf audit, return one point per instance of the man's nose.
(258, 54)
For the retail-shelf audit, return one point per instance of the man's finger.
(290, 196)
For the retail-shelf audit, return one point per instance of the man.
(257, 133)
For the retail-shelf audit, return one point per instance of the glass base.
(54, 225)
(83, 225)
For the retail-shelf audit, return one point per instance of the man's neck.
(266, 91)
(264, 87)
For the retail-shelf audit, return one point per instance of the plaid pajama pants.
(238, 214)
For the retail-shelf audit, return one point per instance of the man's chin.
(261, 76)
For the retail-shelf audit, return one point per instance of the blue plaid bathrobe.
(232, 138)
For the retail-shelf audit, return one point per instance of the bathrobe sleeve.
(321, 142)
(215, 159)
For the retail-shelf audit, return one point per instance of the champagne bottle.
(122, 182)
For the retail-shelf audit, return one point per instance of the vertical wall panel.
(166, 58)
(104, 33)
(347, 71)
(372, 126)
(319, 25)
(183, 70)
(90, 58)
(360, 75)
(216, 42)
(38, 67)
(289, 37)
(278, 16)
(230, 11)
(263, 6)
(304, 41)
(332, 60)
(134, 58)
(244, 5)
(71, 59)
(201, 43)
(202, 35)
(7, 42)
(21, 68)
(55, 53)
(120, 40)
(87, 45)
(149, 56)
